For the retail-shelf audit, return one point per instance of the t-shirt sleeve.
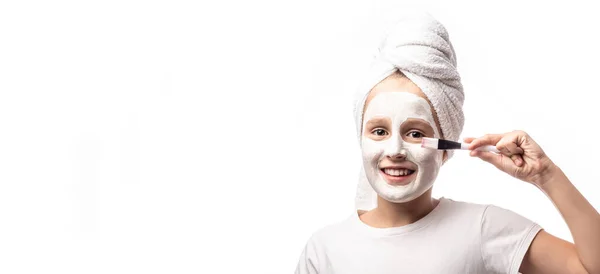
(505, 238)
(309, 261)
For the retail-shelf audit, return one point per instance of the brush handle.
(488, 148)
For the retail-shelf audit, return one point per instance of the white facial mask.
(398, 107)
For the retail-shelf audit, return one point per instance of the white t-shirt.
(455, 237)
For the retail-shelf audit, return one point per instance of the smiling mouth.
(397, 176)
(397, 172)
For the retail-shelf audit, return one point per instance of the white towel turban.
(419, 47)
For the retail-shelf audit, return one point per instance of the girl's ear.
(445, 157)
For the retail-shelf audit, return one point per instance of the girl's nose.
(395, 149)
(401, 155)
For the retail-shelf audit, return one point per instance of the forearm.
(581, 217)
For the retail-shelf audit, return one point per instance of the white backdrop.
(216, 137)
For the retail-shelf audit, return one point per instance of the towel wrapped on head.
(418, 46)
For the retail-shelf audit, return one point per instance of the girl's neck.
(388, 214)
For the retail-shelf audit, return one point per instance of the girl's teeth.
(396, 172)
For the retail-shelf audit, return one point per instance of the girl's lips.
(398, 180)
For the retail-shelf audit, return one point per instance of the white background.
(216, 137)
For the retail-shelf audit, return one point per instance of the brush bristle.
(429, 143)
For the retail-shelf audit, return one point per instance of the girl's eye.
(379, 132)
(416, 134)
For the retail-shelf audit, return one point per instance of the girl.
(413, 92)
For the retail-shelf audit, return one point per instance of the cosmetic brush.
(451, 145)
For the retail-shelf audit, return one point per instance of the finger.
(508, 145)
(514, 148)
(520, 139)
(488, 139)
(468, 140)
(504, 150)
(517, 159)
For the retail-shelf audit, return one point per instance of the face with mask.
(394, 123)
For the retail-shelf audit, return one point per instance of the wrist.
(549, 177)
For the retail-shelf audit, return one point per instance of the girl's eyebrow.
(413, 121)
(377, 120)
(419, 122)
